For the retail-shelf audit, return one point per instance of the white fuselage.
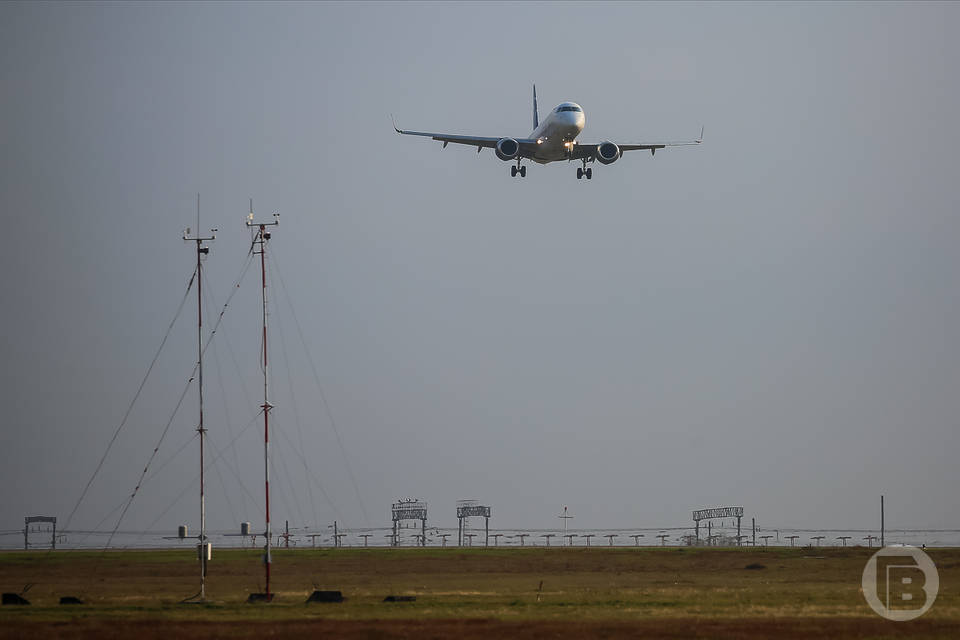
(557, 133)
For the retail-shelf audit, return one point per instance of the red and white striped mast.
(262, 235)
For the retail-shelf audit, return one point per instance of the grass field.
(468, 593)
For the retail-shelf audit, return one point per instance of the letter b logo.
(900, 583)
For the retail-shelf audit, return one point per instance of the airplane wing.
(480, 142)
(589, 151)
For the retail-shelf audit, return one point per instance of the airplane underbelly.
(550, 153)
(552, 148)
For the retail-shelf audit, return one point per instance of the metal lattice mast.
(262, 235)
(201, 251)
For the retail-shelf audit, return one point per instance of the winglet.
(536, 116)
(396, 128)
(700, 139)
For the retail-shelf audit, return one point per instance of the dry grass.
(600, 592)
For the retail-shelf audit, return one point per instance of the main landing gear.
(518, 169)
(583, 171)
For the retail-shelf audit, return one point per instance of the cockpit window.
(568, 108)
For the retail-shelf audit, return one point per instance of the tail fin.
(536, 116)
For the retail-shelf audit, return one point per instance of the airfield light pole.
(587, 536)
(443, 537)
(201, 251)
(470, 537)
(261, 237)
(522, 536)
(765, 539)
(547, 537)
(365, 536)
(818, 539)
(792, 539)
(496, 538)
(570, 537)
(870, 540)
(636, 539)
(565, 517)
(663, 539)
(843, 540)
(610, 537)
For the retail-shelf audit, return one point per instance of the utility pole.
(754, 521)
(202, 548)
(262, 235)
(881, 523)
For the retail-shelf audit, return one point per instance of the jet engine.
(607, 152)
(507, 148)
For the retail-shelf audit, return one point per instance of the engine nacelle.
(607, 152)
(507, 148)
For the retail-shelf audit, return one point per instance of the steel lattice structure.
(410, 510)
(719, 512)
(467, 509)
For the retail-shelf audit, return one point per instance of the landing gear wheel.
(588, 173)
(513, 172)
(579, 173)
(523, 172)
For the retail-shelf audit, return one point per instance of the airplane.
(552, 140)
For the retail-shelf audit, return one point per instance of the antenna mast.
(565, 517)
(203, 549)
(262, 235)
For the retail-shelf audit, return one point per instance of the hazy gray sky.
(768, 320)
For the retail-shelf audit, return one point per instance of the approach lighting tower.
(410, 509)
(203, 548)
(470, 508)
(260, 238)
